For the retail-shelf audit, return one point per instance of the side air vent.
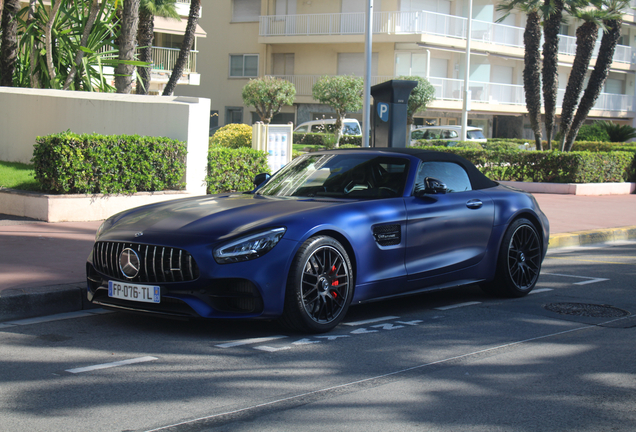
(387, 235)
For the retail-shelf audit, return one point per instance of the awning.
(175, 26)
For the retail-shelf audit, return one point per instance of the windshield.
(475, 134)
(363, 176)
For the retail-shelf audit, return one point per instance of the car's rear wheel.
(519, 261)
(319, 286)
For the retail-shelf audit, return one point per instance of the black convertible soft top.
(477, 179)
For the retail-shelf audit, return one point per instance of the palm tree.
(552, 15)
(601, 68)
(532, 59)
(148, 9)
(9, 44)
(186, 46)
(127, 46)
(586, 36)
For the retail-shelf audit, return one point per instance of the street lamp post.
(368, 43)
(467, 73)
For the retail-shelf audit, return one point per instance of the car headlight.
(249, 247)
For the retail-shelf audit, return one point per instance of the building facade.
(302, 40)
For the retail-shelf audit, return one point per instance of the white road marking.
(387, 326)
(363, 331)
(305, 342)
(271, 349)
(411, 323)
(458, 305)
(369, 321)
(56, 317)
(585, 282)
(111, 365)
(591, 281)
(332, 337)
(353, 383)
(249, 341)
(540, 290)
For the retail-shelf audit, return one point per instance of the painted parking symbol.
(383, 111)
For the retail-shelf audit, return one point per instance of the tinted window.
(451, 174)
(359, 176)
(475, 134)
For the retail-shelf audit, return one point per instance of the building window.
(243, 65)
(233, 115)
(246, 10)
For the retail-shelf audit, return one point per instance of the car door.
(446, 232)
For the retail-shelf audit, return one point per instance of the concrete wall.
(28, 113)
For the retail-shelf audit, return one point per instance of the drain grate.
(586, 310)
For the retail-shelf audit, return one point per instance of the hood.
(211, 218)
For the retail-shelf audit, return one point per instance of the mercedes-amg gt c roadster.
(328, 229)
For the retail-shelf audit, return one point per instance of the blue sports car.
(329, 229)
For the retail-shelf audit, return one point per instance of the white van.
(446, 133)
(350, 127)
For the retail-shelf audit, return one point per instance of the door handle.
(474, 204)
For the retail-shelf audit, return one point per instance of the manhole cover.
(586, 310)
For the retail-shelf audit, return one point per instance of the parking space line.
(369, 321)
(588, 281)
(56, 317)
(455, 306)
(248, 341)
(111, 365)
(540, 290)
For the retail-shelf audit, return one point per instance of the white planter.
(76, 208)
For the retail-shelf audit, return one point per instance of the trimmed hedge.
(549, 166)
(234, 135)
(318, 139)
(68, 163)
(233, 170)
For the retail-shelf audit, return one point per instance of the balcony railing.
(449, 89)
(413, 22)
(165, 58)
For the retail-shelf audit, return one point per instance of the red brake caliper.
(334, 283)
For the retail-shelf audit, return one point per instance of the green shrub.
(592, 132)
(232, 170)
(234, 135)
(69, 163)
(319, 139)
(549, 166)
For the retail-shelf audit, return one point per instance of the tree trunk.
(531, 73)
(34, 78)
(127, 45)
(9, 44)
(145, 39)
(550, 66)
(586, 36)
(48, 41)
(186, 46)
(92, 16)
(597, 79)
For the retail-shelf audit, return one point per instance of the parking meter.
(388, 126)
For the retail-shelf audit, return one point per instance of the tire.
(319, 286)
(519, 261)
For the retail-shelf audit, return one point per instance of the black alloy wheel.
(319, 288)
(519, 261)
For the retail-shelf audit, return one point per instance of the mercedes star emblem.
(129, 263)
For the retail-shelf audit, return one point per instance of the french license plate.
(134, 292)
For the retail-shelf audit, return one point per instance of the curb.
(581, 238)
(22, 303)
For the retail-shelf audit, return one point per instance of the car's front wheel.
(519, 261)
(319, 286)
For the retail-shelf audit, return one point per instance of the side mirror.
(261, 178)
(432, 186)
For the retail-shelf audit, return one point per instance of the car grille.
(157, 263)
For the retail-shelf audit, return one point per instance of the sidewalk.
(42, 265)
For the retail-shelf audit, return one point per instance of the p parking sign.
(383, 111)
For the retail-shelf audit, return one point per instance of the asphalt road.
(560, 359)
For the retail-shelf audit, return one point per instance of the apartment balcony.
(317, 28)
(486, 96)
(164, 60)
